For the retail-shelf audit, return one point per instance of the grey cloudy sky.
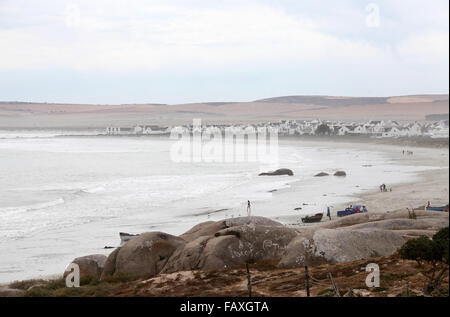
(176, 51)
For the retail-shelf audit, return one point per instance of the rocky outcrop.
(241, 242)
(209, 228)
(405, 224)
(253, 220)
(230, 242)
(339, 245)
(396, 220)
(281, 171)
(110, 264)
(90, 265)
(321, 174)
(340, 173)
(144, 255)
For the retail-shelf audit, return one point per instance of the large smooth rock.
(339, 245)
(209, 228)
(144, 255)
(405, 224)
(232, 246)
(321, 174)
(90, 265)
(370, 217)
(187, 257)
(110, 264)
(255, 220)
(340, 173)
(346, 221)
(281, 171)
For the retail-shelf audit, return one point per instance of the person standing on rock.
(249, 208)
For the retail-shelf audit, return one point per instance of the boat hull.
(312, 219)
(442, 208)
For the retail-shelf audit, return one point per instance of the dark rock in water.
(340, 173)
(90, 265)
(298, 208)
(281, 171)
(321, 174)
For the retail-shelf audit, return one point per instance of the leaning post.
(249, 281)
(307, 281)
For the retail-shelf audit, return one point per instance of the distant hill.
(400, 108)
(327, 101)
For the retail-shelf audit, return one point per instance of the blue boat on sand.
(351, 210)
(442, 208)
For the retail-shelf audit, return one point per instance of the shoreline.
(429, 185)
(426, 182)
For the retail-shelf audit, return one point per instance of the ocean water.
(63, 197)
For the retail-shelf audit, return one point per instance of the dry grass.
(267, 280)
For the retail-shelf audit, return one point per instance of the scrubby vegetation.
(89, 287)
(433, 251)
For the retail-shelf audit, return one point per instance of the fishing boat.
(441, 208)
(124, 237)
(351, 210)
(315, 218)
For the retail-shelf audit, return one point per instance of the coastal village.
(374, 128)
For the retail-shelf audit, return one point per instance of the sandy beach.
(429, 185)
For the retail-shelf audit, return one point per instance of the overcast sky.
(177, 51)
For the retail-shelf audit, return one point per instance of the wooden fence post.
(307, 281)
(249, 281)
(336, 290)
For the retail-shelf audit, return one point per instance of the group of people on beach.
(383, 188)
(359, 208)
(408, 152)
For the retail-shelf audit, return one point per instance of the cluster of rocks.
(338, 173)
(281, 171)
(286, 171)
(230, 242)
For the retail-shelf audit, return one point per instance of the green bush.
(435, 252)
(441, 238)
(421, 249)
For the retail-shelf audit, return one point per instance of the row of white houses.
(386, 129)
(383, 129)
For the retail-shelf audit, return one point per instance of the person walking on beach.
(249, 208)
(328, 212)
